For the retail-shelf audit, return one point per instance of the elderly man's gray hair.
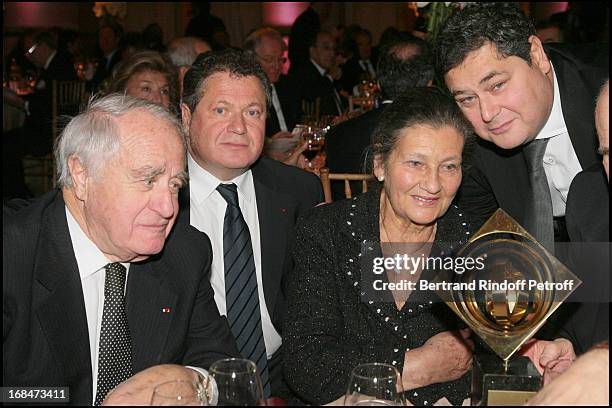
(93, 136)
(182, 51)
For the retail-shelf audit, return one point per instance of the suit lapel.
(150, 301)
(577, 104)
(275, 210)
(61, 310)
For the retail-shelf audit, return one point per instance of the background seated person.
(148, 75)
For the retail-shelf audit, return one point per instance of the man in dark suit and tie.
(109, 36)
(35, 136)
(246, 204)
(268, 47)
(98, 282)
(588, 213)
(401, 67)
(361, 65)
(531, 105)
(314, 79)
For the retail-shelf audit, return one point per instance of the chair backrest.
(68, 97)
(327, 178)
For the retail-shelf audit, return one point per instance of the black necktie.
(539, 216)
(241, 296)
(335, 95)
(115, 350)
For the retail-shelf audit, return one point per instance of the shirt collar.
(89, 258)
(318, 67)
(50, 59)
(202, 184)
(555, 125)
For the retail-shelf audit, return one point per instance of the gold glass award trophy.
(511, 297)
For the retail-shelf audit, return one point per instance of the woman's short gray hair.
(93, 137)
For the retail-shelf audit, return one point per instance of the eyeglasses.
(32, 49)
(271, 60)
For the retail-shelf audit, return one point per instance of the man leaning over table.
(98, 282)
(245, 203)
(532, 107)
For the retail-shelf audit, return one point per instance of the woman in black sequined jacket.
(335, 320)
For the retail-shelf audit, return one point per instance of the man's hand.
(281, 135)
(586, 382)
(296, 158)
(556, 355)
(138, 389)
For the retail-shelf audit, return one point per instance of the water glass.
(179, 393)
(238, 382)
(374, 384)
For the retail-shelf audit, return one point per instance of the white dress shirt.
(91, 262)
(207, 212)
(560, 161)
(279, 110)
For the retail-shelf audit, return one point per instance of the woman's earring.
(381, 178)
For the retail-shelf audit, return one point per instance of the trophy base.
(494, 383)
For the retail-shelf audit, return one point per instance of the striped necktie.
(241, 295)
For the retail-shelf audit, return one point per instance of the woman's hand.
(444, 357)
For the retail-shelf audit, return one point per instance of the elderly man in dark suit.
(89, 297)
(531, 105)
(247, 204)
(400, 68)
(268, 47)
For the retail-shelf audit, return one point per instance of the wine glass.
(374, 384)
(179, 393)
(238, 382)
(315, 139)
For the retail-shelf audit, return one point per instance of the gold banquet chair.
(327, 178)
(68, 98)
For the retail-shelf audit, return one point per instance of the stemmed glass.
(238, 382)
(179, 393)
(315, 139)
(374, 384)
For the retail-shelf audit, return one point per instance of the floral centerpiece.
(435, 13)
(110, 10)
